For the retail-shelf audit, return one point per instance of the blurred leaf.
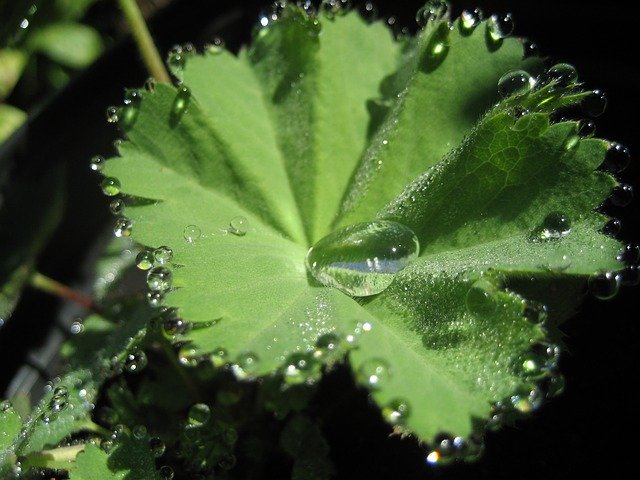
(12, 63)
(71, 44)
(11, 119)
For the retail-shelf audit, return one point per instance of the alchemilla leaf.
(432, 206)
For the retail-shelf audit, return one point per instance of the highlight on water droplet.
(604, 285)
(362, 259)
(110, 186)
(192, 233)
(238, 226)
(374, 373)
(163, 255)
(517, 82)
(246, 365)
(113, 114)
(122, 227)
(498, 28)
(621, 195)
(155, 299)
(144, 260)
(437, 48)
(586, 128)
(617, 158)
(159, 279)
(527, 399)
(135, 361)
(299, 368)
(562, 74)
(594, 104)
(612, 228)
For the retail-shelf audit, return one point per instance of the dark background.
(591, 428)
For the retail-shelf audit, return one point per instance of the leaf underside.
(323, 125)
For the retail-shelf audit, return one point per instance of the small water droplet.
(246, 365)
(629, 255)
(107, 445)
(144, 260)
(122, 227)
(480, 300)
(192, 233)
(238, 226)
(117, 432)
(552, 385)
(368, 11)
(396, 411)
(135, 361)
(604, 286)
(180, 105)
(96, 163)
(199, 414)
(362, 259)
(622, 195)
(175, 326)
(129, 113)
(176, 58)
(113, 114)
(535, 312)
(227, 462)
(298, 368)
(157, 447)
(218, 357)
(517, 82)
(215, 47)
(117, 206)
(431, 11)
(163, 255)
(5, 406)
(586, 128)
(594, 104)
(155, 299)
(437, 48)
(562, 74)
(139, 432)
(617, 158)
(166, 472)
(150, 84)
(110, 186)
(374, 373)
(326, 345)
(527, 399)
(555, 226)
(159, 279)
(531, 49)
(612, 228)
(469, 20)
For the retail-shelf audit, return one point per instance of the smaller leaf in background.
(10, 425)
(12, 63)
(302, 439)
(11, 119)
(70, 44)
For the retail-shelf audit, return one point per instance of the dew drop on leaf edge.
(362, 259)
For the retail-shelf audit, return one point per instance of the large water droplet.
(163, 255)
(594, 104)
(431, 11)
(555, 226)
(157, 447)
(110, 186)
(180, 105)
(199, 414)
(562, 74)
(144, 260)
(122, 227)
(139, 432)
(612, 228)
(622, 195)
(469, 20)
(498, 28)
(437, 48)
(363, 258)
(159, 279)
(617, 158)
(517, 82)
(586, 128)
(629, 255)
(374, 373)
(396, 411)
(129, 113)
(629, 276)
(604, 286)
(166, 472)
(238, 226)
(480, 300)
(135, 361)
(192, 233)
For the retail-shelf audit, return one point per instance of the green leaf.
(12, 63)
(10, 426)
(130, 459)
(11, 119)
(71, 44)
(267, 149)
(302, 439)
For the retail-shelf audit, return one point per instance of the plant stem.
(148, 51)
(49, 285)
